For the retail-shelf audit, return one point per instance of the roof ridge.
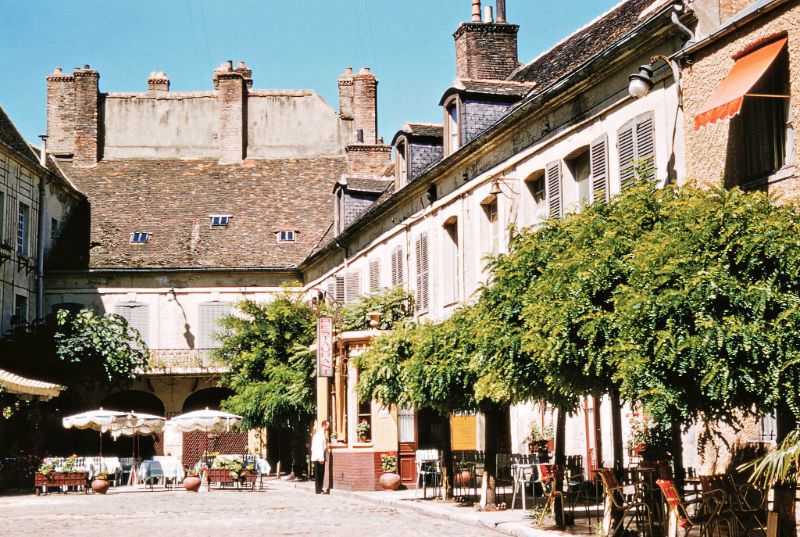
(4, 117)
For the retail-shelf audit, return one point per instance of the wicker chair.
(708, 514)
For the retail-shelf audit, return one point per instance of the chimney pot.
(476, 10)
(57, 71)
(348, 70)
(488, 16)
(86, 66)
(501, 11)
(365, 71)
(229, 65)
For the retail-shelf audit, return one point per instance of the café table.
(168, 469)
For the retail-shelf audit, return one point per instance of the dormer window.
(452, 136)
(140, 237)
(286, 236)
(401, 158)
(220, 220)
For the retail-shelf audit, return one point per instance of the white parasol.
(138, 424)
(100, 420)
(209, 421)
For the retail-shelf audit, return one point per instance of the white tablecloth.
(109, 464)
(163, 468)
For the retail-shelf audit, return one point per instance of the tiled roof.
(359, 184)
(426, 130)
(11, 138)
(586, 43)
(174, 200)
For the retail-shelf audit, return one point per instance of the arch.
(136, 400)
(207, 397)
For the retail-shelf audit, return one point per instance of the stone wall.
(712, 153)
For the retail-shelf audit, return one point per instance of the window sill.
(787, 172)
(362, 445)
(452, 304)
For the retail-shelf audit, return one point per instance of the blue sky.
(288, 44)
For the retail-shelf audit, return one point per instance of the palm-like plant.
(778, 466)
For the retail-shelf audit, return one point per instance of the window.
(286, 236)
(536, 187)
(491, 226)
(765, 124)
(365, 416)
(405, 423)
(452, 135)
(578, 166)
(451, 275)
(220, 220)
(374, 275)
(599, 169)
(138, 316)
(553, 171)
(55, 230)
(23, 230)
(352, 287)
(336, 287)
(209, 329)
(637, 150)
(398, 273)
(423, 280)
(72, 307)
(21, 308)
(401, 157)
(140, 237)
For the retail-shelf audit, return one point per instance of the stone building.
(195, 202)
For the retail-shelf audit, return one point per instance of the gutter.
(516, 113)
(289, 269)
(40, 249)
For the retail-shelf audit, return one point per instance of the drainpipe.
(40, 237)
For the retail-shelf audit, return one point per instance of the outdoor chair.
(620, 506)
(736, 500)
(429, 470)
(523, 475)
(707, 516)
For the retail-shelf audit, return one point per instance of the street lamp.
(641, 83)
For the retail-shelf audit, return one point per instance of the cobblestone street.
(219, 513)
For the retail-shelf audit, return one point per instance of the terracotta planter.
(390, 481)
(463, 478)
(191, 483)
(639, 449)
(100, 486)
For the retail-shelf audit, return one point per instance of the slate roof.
(426, 130)
(174, 200)
(496, 87)
(12, 139)
(375, 186)
(586, 43)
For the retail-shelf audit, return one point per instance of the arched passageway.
(141, 446)
(196, 443)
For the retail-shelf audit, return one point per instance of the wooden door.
(407, 446)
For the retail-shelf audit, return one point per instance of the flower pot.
(390, 481)
(639, 449)
(551, 445)
(191, 483)
(100, 486)
(462, 478)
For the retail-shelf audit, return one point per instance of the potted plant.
(100, 482)
(463, 476)
(192, 480)
(640, 434)
(540, 441)
(390, 479)
(362, 430)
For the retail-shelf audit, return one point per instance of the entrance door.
(407, 441)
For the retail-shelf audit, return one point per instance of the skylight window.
(140, 237)
(220, 220)
(286, 236)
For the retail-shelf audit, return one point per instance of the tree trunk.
(784, 493)
(561, 438)
(490, 435)
(447, 458)
(677, 453)
(616, 429)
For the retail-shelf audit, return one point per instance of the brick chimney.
(346, 94)
(158, 82)
(87, 82)
(232, 94)
(486, 50)
(60, 112)
(365, 106)
(246, 73)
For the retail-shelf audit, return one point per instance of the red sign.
(325, 347)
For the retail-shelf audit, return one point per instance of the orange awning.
(727, 99)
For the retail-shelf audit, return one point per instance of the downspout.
(42, 224)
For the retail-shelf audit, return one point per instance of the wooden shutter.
(422, 273)
(331, 289)
(138, 316)
(554, 189)
(374, 275)
(340, 289)
(646, 141)
(209, 330)
(352, 288)
(598, 159)
(397, 266)
(626, 148)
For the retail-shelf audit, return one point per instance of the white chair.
(522, 475)
(428, 465)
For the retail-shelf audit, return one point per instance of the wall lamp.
(496, 189)
(640, 84)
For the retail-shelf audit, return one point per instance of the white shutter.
(554, 189)
(646, 141)
(209, 330)
(598, 159)
(137, 315)
(374, 275)
(352, 288)
(397, 267)
(626, 148)
(423, 281)
(331, 289)
(340, 289)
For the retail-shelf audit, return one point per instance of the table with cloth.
(168, 469)
(111, 465)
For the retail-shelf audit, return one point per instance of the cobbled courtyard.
(275, 511)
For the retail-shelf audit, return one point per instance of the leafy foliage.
(780, 465)
(394, 305)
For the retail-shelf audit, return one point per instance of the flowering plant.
(70, 464)
(540, 435)
(47, 467)
(389, 463)
(362, 429)
(189, 471)
(641, 432)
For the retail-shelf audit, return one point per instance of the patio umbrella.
(208, 421)
(137, 424)
(100, 420)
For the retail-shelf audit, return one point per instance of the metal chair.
(708, 514)
(619, 505)
(428, 463)
(734, 500)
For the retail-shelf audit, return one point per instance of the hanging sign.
(325, 347)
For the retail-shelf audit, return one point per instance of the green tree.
(272, 372)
